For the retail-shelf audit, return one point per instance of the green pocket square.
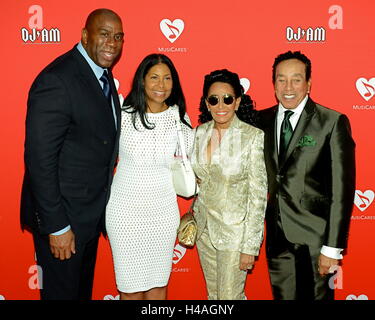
(306, 141)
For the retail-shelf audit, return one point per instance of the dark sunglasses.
(214, 99)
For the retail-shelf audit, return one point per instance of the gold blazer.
(233, 190)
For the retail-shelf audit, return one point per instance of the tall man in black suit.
(310, 162)
(72, 129)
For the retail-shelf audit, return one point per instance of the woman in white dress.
(142, 215)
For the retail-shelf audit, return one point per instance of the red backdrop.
(243, 36)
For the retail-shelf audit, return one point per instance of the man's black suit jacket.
(313, 188)
(71, 147)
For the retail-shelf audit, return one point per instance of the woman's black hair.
(246, 111)
(135, 102)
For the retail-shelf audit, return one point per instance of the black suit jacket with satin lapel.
(313, 188)
(71, 147)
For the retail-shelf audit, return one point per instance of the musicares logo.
(172, 30)
(117, 84)
(111, 297)
(245, 84)
(354, 297)
(178, 253)
(363, 199)
(366, 88)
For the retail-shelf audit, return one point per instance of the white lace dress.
(142, 215)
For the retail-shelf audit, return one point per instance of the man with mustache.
(309, 153)
(73, 112)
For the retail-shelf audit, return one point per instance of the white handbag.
(183, 177)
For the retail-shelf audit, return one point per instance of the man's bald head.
(100, 12)
(103, 37)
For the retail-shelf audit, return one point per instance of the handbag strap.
(194, 199)
(192, 203)
(181, 141)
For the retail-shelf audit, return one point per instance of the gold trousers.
(224, 279)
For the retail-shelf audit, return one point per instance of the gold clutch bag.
(187, 231)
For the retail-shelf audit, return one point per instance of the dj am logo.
(36, 278)
(299, 34)
(336, 279)
(36, 33)
(42, 36)
(366, 88)
(317, 34)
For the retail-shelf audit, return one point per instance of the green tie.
(286, 132)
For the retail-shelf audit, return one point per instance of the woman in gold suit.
(229, 163)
